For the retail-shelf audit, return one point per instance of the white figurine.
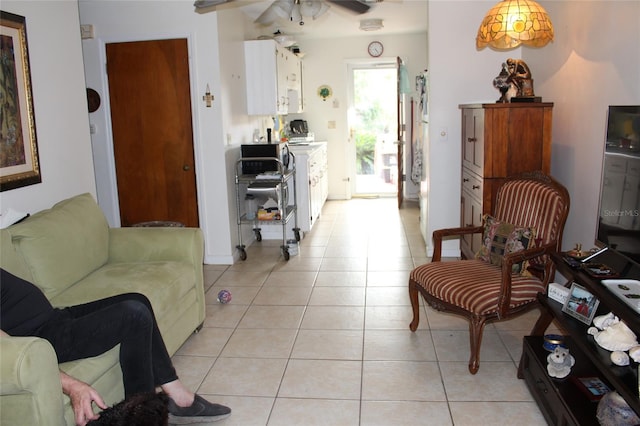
(634, 353)
(560, 362)
(604, 321)
(619, 358)
(617, 336)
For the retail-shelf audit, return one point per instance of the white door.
(372, 123)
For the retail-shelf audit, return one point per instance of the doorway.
(373, 125)
(150, 102)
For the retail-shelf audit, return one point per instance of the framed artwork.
(581, 304)
(19, 164)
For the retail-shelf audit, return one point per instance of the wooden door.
(152, 131)
(401, 135)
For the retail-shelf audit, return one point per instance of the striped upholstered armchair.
(511, 267)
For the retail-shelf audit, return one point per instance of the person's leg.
(93, 328)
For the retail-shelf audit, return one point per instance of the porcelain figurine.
(604, 321)
(634, 353)
(560, 362)
(619, 358)
(616, 337)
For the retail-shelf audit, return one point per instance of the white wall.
(325, 62)
(593, 62)
(216, 59)
(215, 40)
(459, 74)
(582, 72)
(60, 105)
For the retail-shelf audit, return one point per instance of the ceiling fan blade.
(353, 5)
(201, 4)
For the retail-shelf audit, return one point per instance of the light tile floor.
(324, 339)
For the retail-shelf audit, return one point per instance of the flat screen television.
(619, 206)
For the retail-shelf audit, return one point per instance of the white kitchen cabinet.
(274, 78)
(312, 185)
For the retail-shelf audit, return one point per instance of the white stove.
(301, 139)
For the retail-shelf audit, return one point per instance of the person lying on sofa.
(93, 328)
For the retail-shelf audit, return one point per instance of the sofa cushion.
(63, 244)
(450, 281)
(165, 283)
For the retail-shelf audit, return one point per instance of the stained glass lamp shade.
(513, 22)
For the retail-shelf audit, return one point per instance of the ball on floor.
(224, 296)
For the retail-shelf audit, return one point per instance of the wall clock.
(375, 49)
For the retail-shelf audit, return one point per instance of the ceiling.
(399, 17)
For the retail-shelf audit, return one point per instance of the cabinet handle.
(465, 180)
(475, 187)
(541, 386)
(472, 140)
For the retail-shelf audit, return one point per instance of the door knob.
(186, 168)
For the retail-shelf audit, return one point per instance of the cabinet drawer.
(616, 164)
(472, 184)
(542, 389)
(633, 167)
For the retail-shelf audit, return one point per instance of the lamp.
(295, 15)
(292, 10)
(278, 9)
(512, 22)
(312, 8)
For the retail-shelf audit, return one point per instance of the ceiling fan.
(291, 9)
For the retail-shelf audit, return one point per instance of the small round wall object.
(375, 49)
(224, 296)
(551, 341)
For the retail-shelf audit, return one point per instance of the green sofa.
(72, 254)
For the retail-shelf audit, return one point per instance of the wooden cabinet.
(498, 141)
(274, 78)
(560, 400)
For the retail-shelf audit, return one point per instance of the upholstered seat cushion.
(451, 281)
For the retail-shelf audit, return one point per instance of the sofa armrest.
(30, 388)
(156, 244)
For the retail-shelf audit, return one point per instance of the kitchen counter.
(306, 147)
(312, 181)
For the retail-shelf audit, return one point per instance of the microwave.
(262, 152)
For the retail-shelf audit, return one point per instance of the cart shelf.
(283, 177)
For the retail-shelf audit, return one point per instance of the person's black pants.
(93, 328)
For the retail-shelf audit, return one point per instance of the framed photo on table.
(19, 163)
(581, 304)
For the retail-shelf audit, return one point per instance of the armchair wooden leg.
(476, 328)
(413, 296)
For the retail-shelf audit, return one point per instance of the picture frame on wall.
(581, 304)
(19, 161)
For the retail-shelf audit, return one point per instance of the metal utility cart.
(275, 183)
